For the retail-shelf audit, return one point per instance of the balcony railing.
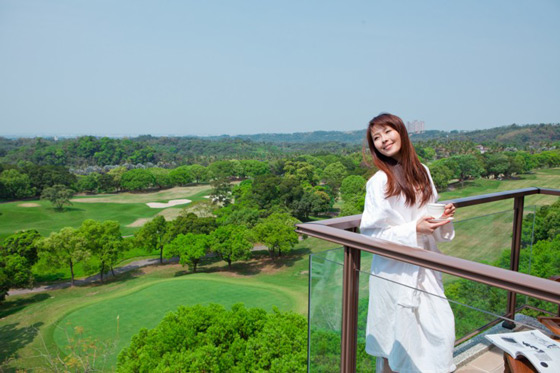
(344, 299)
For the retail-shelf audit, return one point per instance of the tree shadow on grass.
(108, 278)
(13, 338)
(260, 262)
(10, 307)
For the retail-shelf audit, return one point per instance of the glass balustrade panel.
(462, 315)
(325, 310)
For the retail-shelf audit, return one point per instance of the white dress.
(414, 330)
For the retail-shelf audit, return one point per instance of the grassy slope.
(22, 317)
(483, 231)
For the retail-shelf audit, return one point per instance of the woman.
(408, 328)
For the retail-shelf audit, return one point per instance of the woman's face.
(387, 141)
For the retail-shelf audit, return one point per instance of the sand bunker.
(168, 214)
(139, 222)
(29, 204)
(173, 202)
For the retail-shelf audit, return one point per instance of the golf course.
(36, 327)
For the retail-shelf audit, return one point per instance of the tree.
(189, 223)
(253, 168)
(117, 174)
(333, 176)
(351, 186)
(265, 192)
(468, 167)
(546, 224)
(231, 243)
(104, 240)
(441, 175)
(277, 233)
(58, 195)
(153, 235)
(221, 191)
(290, 192)
(496, 164)
(352, 192)
(16, 185)
(181, 175)
(212, 339)
(15, 271)
(190, 248)
(137, 179)
(198, 172)
(233, 214)
(107, 183)
(24, 244)
(321, 202)
(89, 183)
(221, 170)
(311, 202)
(67, 247)
(47, 176)
(161, 177)
(302, 171)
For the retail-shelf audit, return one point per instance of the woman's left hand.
(449, 210)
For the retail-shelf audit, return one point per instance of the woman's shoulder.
(427, 169)
(379, 178)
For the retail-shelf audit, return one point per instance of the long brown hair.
(407, 177)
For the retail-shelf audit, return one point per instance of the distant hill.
(513, 135)
(101, 151)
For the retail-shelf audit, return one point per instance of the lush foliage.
(58, 195)
(17, 256)
(213, 339)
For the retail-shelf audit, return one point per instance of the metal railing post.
(350, 293)
(518, 206)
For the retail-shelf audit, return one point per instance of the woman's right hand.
(424, 226)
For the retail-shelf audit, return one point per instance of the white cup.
(435, 209)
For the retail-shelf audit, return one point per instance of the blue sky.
(116, 68)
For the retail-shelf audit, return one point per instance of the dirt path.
(88, 280)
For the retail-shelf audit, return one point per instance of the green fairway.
(126, 208)
(146, 307)
(547, 178)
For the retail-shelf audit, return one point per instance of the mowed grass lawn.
(125, 208)
(141, 299)
(145, 307)
(546, 178)
(30, 322)
(482, 232)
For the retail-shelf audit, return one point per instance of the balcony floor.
(491, 361)
(479, 355)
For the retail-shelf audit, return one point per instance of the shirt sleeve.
(381, 220)
(447, 231)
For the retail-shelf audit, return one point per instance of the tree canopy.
(213, 339)
(59, 195)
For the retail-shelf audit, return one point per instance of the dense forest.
(513, 135)
(168, 152)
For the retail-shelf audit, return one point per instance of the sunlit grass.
(259, 282)
(124, 208)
